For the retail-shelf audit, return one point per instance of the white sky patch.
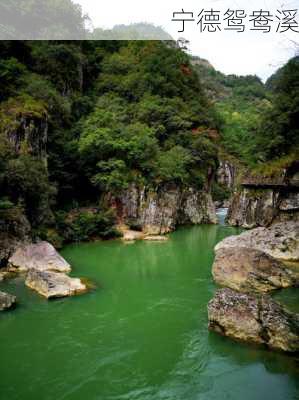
(249, 52)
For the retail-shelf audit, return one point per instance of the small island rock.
(7, 301)
(248, 318)
(54, 284)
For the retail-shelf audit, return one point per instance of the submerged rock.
(5, 274)
(156, 238)
(246, 269)
(130, 235)
(40, 256)
(280, 241)
(7, 301)
(257, 320)
(54, 284)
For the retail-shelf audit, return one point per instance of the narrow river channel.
(141, 334)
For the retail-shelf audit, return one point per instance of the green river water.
(140, 335)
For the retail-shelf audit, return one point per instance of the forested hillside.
(259, 122)
(81, 119)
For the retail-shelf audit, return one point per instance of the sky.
(249, 52)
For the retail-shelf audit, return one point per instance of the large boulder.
(40, 256)
(54, 284)
(247, 269)
(247, 318)
(280, 240)
(7, 301)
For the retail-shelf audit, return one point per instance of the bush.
(5, 204)
(26, 180)
(78, 226)
(48, 234)
(220, 192)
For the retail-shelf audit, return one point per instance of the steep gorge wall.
(159, 210)
(31, 131)
(226, 174)
(263, 201)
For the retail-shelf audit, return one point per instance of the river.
(141, 334)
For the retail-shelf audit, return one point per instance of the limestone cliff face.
(32, 131)
(263, 201)
(251, 208)
(160, 210)
(226, 174)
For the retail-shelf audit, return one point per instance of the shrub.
(83, 225)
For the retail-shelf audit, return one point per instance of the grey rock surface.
(244, 317)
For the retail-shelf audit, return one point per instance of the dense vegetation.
(79, 119)
(260, 122)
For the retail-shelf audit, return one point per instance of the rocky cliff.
(24, 121)
(159, 210)
(32, 131)
(226, 174)
(262, 201)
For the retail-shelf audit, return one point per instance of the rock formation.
(158, 211)
(250, 262)
(130, 235)
(226, 174)
(54, 284)
(262, 201)
(46, 270)
(155, 238)
(247, 270)
(31, 130)
(250, 208)
(40, 256)
(257, 320)
(280, 241)
(7, 301)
